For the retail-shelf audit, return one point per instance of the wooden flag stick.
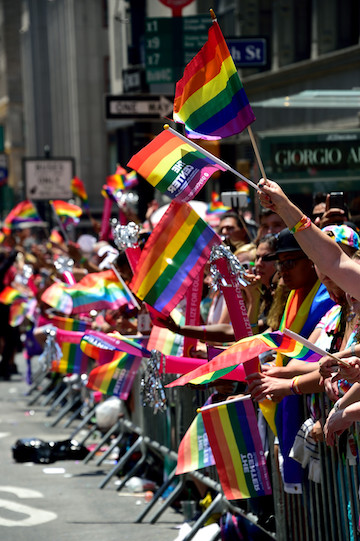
(257, 153)
(311, 346)
(230, 401)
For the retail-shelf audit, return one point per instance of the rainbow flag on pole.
(24, 214)
(64, 210)
(210, 99)
(245, 350)
(115, 378)
(96, 291)
(236, 445)
(177, 248)
(78, 189)
(173, 166)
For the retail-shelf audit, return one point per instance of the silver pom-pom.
(152, 390)
(125, 236)
(64, 263)
(234, 266)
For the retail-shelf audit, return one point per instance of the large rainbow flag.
(194, 450)
(24, 213)
(96, 291)
(244, 350)
(174, 167)
(176, 250)
(115, 378)
(236, 445)
(210, 99)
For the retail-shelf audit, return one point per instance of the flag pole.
(314, 348)
(224, 402)
(128, 290)
(212, 157)
(257, 153)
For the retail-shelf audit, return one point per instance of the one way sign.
(139, 106)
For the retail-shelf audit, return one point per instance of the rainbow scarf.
(210, 99)
(78, 189)
(23, 213)
(174, 167)
(163, 277)
(115, 378)
(96, 291)
(236, 445)
(287, 415)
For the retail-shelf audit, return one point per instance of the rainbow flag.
(165, 341)
(78, 189)
(100, 346)
(216, 206)
(174, 167)
(244, 350)
(55, 237)
(24, 213)
(70, 324)
(242, 186)
(236, 445)
(73, 360)
(9, 295)
(131, 180)
(116, 181)
(194, 450)
(210, 99)
(115, 378)
(21, 309)
(96, 291)
(66, 210)
(163, 277)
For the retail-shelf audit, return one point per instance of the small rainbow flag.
(242, 186)
(115, 378)
(194, 450)
(78, 189)
(70, 324)
(163, 277)
(9, 295)
(24, 213)
(116, 181)
(244, 350)
(165, 341)
(56, 237)
(210, 99)
(131, 180)
(216, 206)
(174, 167)
(96, 291)
(64, 210)
(95, 343)
(20, 309)
(236, 445)
(73, 360)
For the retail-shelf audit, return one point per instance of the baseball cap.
(343, 234)
(285, 242)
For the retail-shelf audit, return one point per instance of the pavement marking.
(33, 516)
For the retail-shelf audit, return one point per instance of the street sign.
(170, 44)
(134, 80)
(248, 52)
(140, 106)
(48, 178)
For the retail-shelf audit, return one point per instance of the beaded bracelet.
(295, 386)
(302, 224)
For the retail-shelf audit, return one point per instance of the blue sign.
(248, 52)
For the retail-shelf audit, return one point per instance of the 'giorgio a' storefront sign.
(320, 156)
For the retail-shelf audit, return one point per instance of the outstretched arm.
(320, 248)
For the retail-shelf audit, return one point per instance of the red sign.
(176, 5)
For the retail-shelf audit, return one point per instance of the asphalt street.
(62, 501)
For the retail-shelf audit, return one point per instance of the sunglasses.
(288, 264)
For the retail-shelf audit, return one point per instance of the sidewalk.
(62, 501)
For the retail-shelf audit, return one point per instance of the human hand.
(316, 432)
(332, 216)
(331, 388)
(352, 372)
(336, 424)
(262, 386)
(327, 367)
(271, 195)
